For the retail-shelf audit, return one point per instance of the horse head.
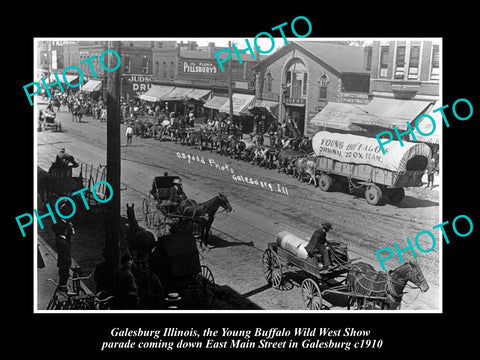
(131, 217)
(416, 276)
(224, 203)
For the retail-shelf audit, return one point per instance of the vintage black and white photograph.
(268, 174)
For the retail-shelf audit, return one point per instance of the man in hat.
(124, 287)
(317, 246)
(63, 161)
(63, 230)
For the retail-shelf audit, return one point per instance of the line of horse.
(291, 155)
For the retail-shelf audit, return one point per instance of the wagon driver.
(318, 244)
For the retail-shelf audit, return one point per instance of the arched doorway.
(294, 94)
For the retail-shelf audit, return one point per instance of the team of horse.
(292, 155)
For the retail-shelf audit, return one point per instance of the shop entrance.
(298, 116)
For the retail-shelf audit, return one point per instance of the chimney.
(211, 50)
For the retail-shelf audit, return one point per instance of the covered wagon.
(359, 162)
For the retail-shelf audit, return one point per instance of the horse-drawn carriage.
(168, 209)
(47, 120)
(344, 282)
(166, 266)
(161, 205)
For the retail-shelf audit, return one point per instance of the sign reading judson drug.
(137, 83)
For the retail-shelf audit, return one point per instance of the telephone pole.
(230, 95)
(112, 224)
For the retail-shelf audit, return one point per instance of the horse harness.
(393, 298)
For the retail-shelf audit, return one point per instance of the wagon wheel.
(272, 268)
(311, 294)
(151, 293)
(325, 182)
(205, 288)
(373, 194)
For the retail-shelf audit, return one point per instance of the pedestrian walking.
(191, 118)
(431, 168)
(129, 134)
(64, 231)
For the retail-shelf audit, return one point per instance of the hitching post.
(112, 224)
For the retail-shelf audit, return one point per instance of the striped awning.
(156, 93)
(337, 116)
(92, 85)
(241, 102)
(215, 102)
(70, 78)
(181, 93)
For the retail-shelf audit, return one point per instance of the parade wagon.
(345, 282)
(289, 252)
(160, 208)
(47, 120)
(358, 163)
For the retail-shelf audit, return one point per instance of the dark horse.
(382, 289)
(204, 213)
(138, 239)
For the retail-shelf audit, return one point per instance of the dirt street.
(276, 202)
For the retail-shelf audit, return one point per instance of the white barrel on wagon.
(293, 244)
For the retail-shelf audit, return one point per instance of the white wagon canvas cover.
(356, 149)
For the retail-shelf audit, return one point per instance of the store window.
(323, 83)
(127, 60)
(400, 61)
(435, 69)
(297, 80)
(172, 69)
(383, 68)
(267, 85)
(164, 70)
(414, 62)
(145, 65)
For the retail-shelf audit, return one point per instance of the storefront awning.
(425, 125)
(378, 113)
(92, 85)
(241, 102)
(181, 94)
(264, 106)
(387, 113)
(199, 94)
(156, 93)
(215, 102)
(70, 78)
(337, 116)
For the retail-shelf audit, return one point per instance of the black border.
(63, 334)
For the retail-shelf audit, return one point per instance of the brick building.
(187, 64)
(304, 76)
(405, 69)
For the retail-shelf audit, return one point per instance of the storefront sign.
(269, 96)
(139, 83)
(290, 101)
(199, 67)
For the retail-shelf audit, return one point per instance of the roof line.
(298, 45)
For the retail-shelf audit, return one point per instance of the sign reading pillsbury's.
(196, 67)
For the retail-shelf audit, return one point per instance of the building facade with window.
(405, 69)
(303, 77)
